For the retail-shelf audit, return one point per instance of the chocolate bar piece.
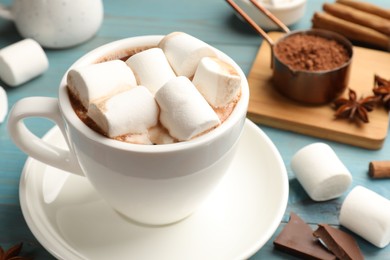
(297, 239)
(338, 242)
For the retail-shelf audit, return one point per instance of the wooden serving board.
(268, 107)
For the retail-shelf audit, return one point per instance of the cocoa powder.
(307, 52)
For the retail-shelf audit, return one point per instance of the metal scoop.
(308, 87)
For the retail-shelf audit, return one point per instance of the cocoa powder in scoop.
(311, 53)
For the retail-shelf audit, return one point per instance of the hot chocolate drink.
(163, 94)
(150, 184)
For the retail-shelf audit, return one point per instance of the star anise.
(12, 253)
(382, 90)
(353, 109)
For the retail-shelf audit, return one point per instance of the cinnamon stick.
(351, 30)
(367, 7)
(360, 17)
(379, 169)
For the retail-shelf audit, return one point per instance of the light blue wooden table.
(214, 22)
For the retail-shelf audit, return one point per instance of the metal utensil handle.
(250, 21)
(273, 18)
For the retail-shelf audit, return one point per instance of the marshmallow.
(367, 214)
(159, 135)
(22, 61)
(151, 68)
(135, 138)
(217, 81)
(184, 52)
(184, 111)
(100, 80)
(129, 112)
(320, 172)
(3, 104)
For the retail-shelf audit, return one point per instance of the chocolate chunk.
(297, 239)
(338, 242)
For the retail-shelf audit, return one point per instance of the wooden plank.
(268, 107)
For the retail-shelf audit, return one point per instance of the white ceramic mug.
(153, 184)
(55, 23)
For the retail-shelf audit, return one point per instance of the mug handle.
(5, 12)
(34, 146)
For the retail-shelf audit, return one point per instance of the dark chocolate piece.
(339, 242)
(297, 239)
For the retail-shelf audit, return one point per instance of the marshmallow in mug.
(367, 214)
(184, 52)
(151, 68)
(217, 80)
(184, 111)
(320, 172)
(22, 61)
(120, 114)
(100, 80)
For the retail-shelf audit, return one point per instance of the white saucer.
(71, 221)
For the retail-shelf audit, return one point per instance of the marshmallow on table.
(184, 52)
(184, 111)
(367, 214)
(100, 80)
(320, 172)
(3, 104)
(22, 61)
(130, 112)
(151, 68)
(217, 81)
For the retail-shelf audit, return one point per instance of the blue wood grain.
(214, 22)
